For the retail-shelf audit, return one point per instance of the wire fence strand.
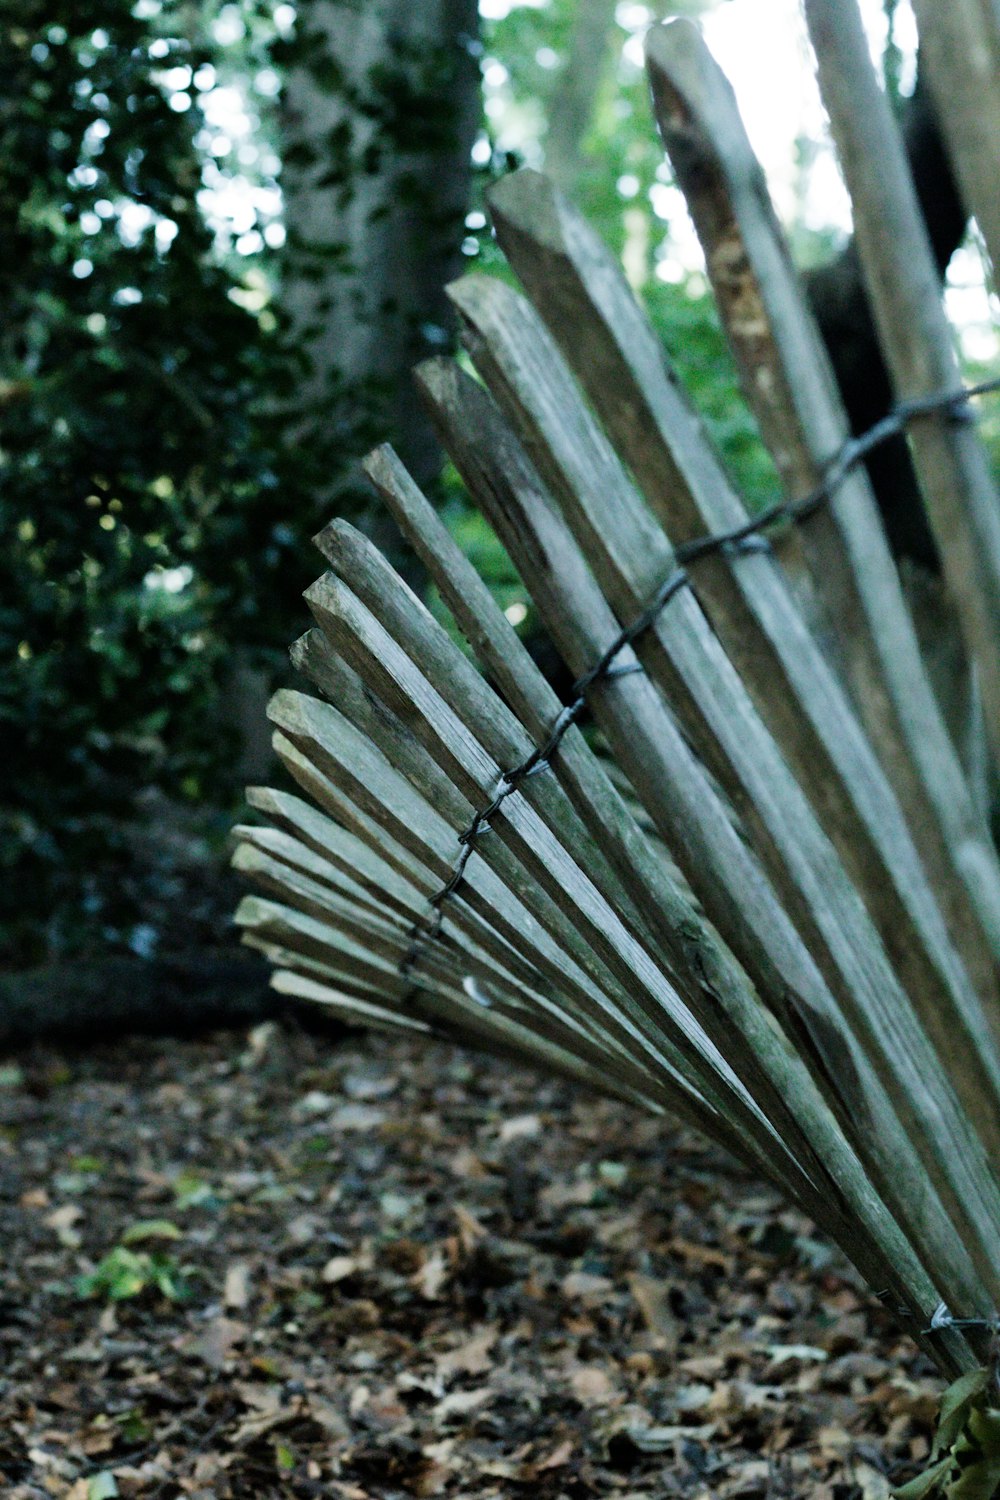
(747, 537)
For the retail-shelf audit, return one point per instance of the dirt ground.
(273, 1265)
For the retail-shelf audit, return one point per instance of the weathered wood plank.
(916, 339)
(734, 887)
(500, 733)
(790, 683)
(484, 907)
(344, 754)
(498, 1036)
(367, 713)
(536, 861)
(332, 844)
(364, 709)
(466, 948)
(396, 743)
(355, 1012)
(790, 386)
(285, 853)
(382, 655)
(504, 657)
(304, 944)
(593, 784)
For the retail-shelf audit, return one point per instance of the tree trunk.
(381, 108)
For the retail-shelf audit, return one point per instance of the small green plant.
(125, 1273)
(965, 1457)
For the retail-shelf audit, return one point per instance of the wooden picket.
(901, 277)
(766, 900)
(790, 387)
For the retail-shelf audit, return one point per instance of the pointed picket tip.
(328, 543)
(435, 375)
(444, 384)
(348, 549)
(300, 716)
(681, 73)
(528, 203)
(484, 301)
(440, 384)
(268, 799)
(319, 538)
(544, 235)
(698, 114)
(468, 293)
(383, 464)
(297, 652)
(577, 286)
(341, 537)
(253, 910)
(322, 591)
(289, 709)
(678, 50)
(246, 857)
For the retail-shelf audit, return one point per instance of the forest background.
(228, 227)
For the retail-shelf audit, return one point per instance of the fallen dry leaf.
(557, 1458)
(236, 1293)
(519, 1127)
(338, 1268)
(601, 1315)
(220, 1338)
(473, 1357)
(592, 1385)
(62, 1221)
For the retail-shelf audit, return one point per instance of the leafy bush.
(125, 1273)
(137, 483)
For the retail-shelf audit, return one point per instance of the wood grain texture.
(789, 385)
(916, 339)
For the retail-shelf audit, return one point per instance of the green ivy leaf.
(966, 1450)
(977, 1455)
(926, 1483)
(956, 1404)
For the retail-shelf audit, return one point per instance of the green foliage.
(965, 1456)
(621, 191)
(156, 516)
(133, 468)
(124, 1274)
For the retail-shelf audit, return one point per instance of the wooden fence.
(756, 890)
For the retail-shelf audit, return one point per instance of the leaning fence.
(741, 874)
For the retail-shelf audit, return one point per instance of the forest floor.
(363, 1268)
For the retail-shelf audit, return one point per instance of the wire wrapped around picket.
(746, 537)
(740, 874)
